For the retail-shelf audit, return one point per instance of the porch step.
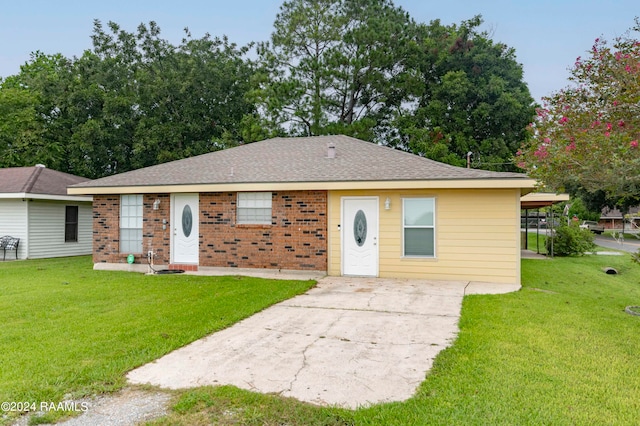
(184, 267)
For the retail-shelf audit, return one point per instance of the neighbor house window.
(131, 224)
(418, 225)
(254, 208)
(71, 224)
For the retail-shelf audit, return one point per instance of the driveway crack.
(383, 311)
(304, 352)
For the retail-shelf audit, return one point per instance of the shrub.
(571, 240)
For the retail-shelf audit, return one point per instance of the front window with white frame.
(131, 223)
(418, 225)
(254, 208)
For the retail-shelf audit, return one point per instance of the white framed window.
(131, 223)
(418, 226)
(254, 208)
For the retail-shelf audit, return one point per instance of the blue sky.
(547, 35)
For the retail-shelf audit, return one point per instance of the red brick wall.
(296, 238)
(153, 236)
(106, 229)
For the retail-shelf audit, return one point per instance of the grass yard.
(562, 351)
(70, 330)
(536, 242)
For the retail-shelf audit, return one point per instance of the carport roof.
(536, 200)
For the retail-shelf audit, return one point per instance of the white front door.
(360, 236)
(186, 236)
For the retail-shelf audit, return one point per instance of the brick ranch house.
(329, 203)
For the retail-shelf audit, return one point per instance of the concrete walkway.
(348, 341)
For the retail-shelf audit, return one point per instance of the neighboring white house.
(35, 207)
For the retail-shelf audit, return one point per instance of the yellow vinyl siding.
(477, 235)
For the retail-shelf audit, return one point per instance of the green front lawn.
(536, 242)
(561, 351)
(69, 330)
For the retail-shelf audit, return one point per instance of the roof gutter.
(526, 185)
(49, 197)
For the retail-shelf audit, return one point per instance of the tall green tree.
(192, 97)
(365, 68)
(103, 104)
(131, 101)
(20, 131)
(32, 113)
(334, 66)
(473, 98)
(147, 101)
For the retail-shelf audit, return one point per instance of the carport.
(536, 201)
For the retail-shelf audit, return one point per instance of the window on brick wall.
(71, 224)
(254, 208)
(131, 224)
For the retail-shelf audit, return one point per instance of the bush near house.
(570, 240)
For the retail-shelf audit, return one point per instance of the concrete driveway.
(348, 341)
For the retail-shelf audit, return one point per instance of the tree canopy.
(585, 138)
(334, 66)
(131, 101)
(472, 98)
(363, 68)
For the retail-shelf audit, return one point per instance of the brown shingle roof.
(36, 180)
(302, 159)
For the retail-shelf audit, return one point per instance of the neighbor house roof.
(609, 213)
(37, 182)
(296, 163)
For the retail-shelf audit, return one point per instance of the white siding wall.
(46, 229)
(13, 221)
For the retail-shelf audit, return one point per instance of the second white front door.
(360, 236)
(184, 222)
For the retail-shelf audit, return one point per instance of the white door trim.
(346, 231)
(176, 221)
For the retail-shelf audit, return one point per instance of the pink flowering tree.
(586, 137)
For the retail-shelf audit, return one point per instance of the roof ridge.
(29, 184)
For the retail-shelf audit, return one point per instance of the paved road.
(630, 245)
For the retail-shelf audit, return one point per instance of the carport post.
(526, 229)
(538, 230)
